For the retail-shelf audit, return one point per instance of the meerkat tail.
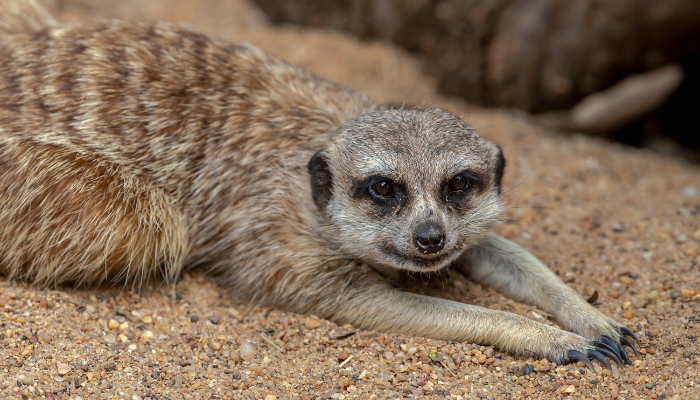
(23, 16)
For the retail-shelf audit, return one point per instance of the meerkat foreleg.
(387, 309)
(514, 272)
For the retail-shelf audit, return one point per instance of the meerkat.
(130, 151)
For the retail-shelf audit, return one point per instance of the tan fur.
(130, 151)
(23, 16)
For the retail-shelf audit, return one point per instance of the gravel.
(625, 225)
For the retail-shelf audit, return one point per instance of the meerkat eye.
(461, 187)
(383, 188)
(458, 183)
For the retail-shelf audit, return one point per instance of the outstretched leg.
(73, 218)
(352, 293)
(509, 269)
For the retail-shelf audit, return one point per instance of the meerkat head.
(407, 189)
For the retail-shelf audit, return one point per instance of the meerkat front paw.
(604, 333)
(578, 348)
(605, 347)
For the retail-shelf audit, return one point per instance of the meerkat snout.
(429, 237)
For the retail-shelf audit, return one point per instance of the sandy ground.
(620, 221)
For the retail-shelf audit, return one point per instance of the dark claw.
(595, 354)
(623, 353)
(605, 345)
(577, 355)
(618, 349)
(626, 332)
(629, 344)
(610, 355)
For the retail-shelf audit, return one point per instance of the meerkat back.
(115, 138)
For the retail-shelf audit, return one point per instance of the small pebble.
(311, 323)
(194, 318)
(110, 366)
(425, 360)
(27, 381)
(113, 324)
(63, 368)
(343, 355)
(27, 350)
(690, 191)
(650, 385)
(214, 320)
(270, 397)
(674, 294)
(216, 346)
(528, 369)
(488, 352)
(147, 319)
(247, 351)
(570, 389)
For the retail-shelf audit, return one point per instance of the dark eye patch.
(461, 186)
(384, 192)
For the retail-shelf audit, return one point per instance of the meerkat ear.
(500, 166)
(321, 180)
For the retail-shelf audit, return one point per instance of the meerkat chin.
(131, 151)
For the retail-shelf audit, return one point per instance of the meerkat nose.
(429, 237)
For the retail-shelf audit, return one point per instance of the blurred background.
(624, 70)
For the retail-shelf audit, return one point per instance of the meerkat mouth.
(426, 262)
